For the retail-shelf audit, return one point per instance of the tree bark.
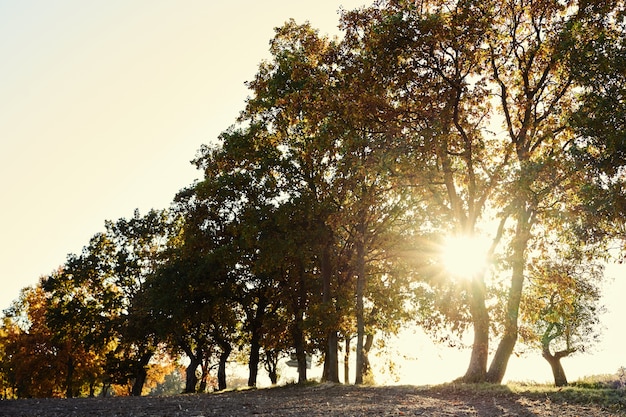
(331, 358)
(298, 339)
(298, 333)
(560, 380)
(360, 290)
(367, 367)
(500, 360)
(271, 366)
(346, 362)
(477, 368)
(195, 360)
(253, 362)
(221, 369)
(256, 322)
(204, 375)
(69, 379)
(141, 374)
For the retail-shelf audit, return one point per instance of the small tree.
(561, 310)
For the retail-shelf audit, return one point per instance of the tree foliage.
(322, 211)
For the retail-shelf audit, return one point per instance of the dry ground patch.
(321, 400)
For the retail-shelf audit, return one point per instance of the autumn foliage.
(320, 222)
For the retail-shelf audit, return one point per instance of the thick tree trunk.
(331, 358)
(331, 362)
(560, 380)
(191, 379)
(477, 368)
(360, 290)
(195, 360)
(141, 374)
(500, 360)
(221, 369)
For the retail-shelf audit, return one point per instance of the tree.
(307, 128)
(562, 310)
(140, 244)
(33, 364)
(82, 304)
(483, 91)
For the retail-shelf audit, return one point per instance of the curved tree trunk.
(195, 360)
(141, 374)
(271, 366)
(560, 380)
(221, 369)
(500, 360)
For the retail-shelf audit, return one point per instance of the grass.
(608, 391)
(603, 390)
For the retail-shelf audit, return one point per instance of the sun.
(464, 256)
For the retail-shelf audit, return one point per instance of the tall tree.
(140, 243)
(484, 91)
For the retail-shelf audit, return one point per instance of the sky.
(104, 103)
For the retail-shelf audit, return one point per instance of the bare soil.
(312, 401)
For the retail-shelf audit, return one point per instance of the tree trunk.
(298, 333)
(331, 358)
(346, 362)
(204, 375)
(195, 360)
(256, 324)
(221, 369)
(255, 356)
(560, 380)
(69, 378)
(477, 368)
(367, 368)
(500, 360)
(360, 290)
(141, 374)
(298, 341)
(271, 366)
(331, 362)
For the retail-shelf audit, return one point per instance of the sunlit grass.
(603, 390)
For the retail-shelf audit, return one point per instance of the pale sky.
(104, 103)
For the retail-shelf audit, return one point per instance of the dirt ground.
(312, 401)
